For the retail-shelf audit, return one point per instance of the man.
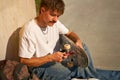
(39, 37)
(47, 28)
(39, 44)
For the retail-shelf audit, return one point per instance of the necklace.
(45, 33)
(44, 30)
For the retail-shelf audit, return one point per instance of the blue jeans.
(56, 71)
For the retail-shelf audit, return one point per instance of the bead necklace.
(45, 33)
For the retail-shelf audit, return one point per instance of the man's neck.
(40, 22)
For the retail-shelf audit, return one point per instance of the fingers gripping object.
(76, 55)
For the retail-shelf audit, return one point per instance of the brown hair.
(53, 5)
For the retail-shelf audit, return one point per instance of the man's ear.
(42, 10)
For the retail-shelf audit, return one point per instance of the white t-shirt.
(36, 42)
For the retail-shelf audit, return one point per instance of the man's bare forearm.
(74, 37)
(36, 61)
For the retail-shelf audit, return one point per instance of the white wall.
(97, 22)
(13, 14)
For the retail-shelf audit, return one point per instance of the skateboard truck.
(68, 53)
(67, 49)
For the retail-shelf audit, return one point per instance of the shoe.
(93, 79)
(78, 79)
(84, 79)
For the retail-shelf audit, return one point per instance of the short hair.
(53, 5)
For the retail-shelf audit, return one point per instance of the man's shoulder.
(58, 22)
(28, 26)
(30, 22)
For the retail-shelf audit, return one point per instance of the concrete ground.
(98, 25)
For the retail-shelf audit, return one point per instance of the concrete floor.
(98, 25)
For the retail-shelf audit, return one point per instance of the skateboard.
(76, 55)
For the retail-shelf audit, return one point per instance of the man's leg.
(88, 72)
(91, 71)
(54, 71)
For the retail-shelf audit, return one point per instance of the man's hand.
(79, 44)
(58, 56)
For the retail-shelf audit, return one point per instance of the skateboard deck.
(76, 55)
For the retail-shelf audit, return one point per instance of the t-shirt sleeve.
(62, 29)
(26, 44)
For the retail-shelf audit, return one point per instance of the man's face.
(50, 17)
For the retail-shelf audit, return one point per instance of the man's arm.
(37, 61)
(74, 37)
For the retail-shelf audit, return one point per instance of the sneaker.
(93, 79)
(78, 79)
(84, 79)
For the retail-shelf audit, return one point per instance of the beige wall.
(97, 22)
(13, 14)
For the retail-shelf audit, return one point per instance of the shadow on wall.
(13, 46)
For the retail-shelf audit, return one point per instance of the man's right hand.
(58, 56)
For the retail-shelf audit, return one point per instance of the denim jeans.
(56, 71)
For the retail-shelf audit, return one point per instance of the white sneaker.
(78, 79)
(93, 79)
(84, 79)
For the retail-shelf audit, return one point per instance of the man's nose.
(55, 18)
